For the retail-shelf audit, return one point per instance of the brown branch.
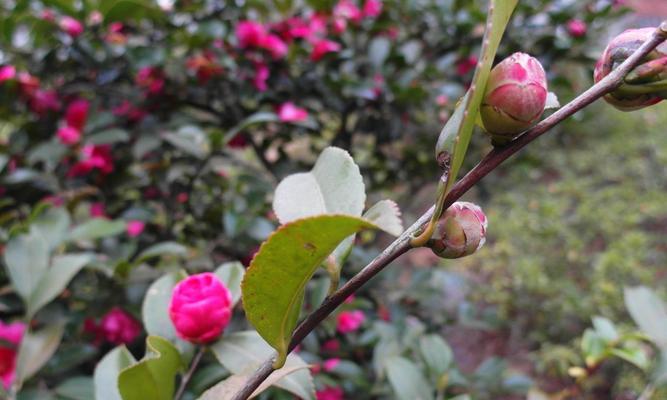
(492, 160)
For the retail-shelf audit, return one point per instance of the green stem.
(188, 375)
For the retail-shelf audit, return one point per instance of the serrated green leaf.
(274, 284)
(154, 376)
(242, 352)
(97, 228)
(387, 216)
(231, 274)
(106, 373)
(649, 313)
(407, 380)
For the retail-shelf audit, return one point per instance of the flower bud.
(460, 231)
(637, 92)
(200, 308)
(515, 96)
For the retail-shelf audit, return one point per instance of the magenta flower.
(28, 84)
(135, 227)
(200, 308)
(7, 72)
(151, 79)
(330, 364)
(576, 28)
(330, 393)
(274, 45)
(262, 73)
(93, 157)
(331, 345)
(347, 10)
(460, 231)
(288, 112)
(116, 327)
(322, 47)
(515, 96)
(42, 101)
(68, 135)
(97, 210)
(250, 34)
(71, 26)
(372, 8)
(350, 321)
(76, 113)
(464, 66)
(11, 336)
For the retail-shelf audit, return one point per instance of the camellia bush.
(190, 188)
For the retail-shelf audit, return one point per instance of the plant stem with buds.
(492, 160)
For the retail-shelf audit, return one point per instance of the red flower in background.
(466, 65)
(330, 393)
(7, 72)
(77, 113)
(42, 101)
(262, 74)
(11, 334)
(250, 33)
(116, 327)
(135, 228)
(576, 28)
(93, 157)
(68, 135)
(71, 26)
(350, 321)
(372, 8)
(323, 47)
(288, 112)
(151, 79)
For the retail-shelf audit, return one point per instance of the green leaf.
(378, 50)
(230, 386)
(593, 346)
(36, 349)
(274, 284)
(649, 313)
(605, 328)
(162, 249)
(256, 118)
(407, 380)
(634, 353)
(333, 186)
(106, 373)
(242, 352)
(97, 228)
(121, 10)
(154, 376)
(53, 225)
(387, 216)
(109, 136)
(55, 279)
(436, 353)
(27, 258)
(456, 134)
(191, 139)
(155, 309)
(231, 274)
(76, 388)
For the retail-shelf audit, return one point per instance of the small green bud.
(460, 231)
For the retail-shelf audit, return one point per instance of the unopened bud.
(644, 85)
(460, 231)
(515, 96)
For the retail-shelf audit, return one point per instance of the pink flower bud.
(576, 28)
(200, 308)
(119, 327)
(135, 228)
(7, 72)
(68, 135)
(71, 26)
(11, 336)
(350, 321)
(653, 68)
(288, 112)
(330, 364)
(322, 47)
(515, 96)
(460, 231)
(274, 45)
(76, 113)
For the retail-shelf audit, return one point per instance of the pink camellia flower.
(288, 112)
(331, 345)
(330, 393)
(68, 135)
(250, 33)
(76, 113)
(28, 84)
(262, 73)
(93, 157)
(576, 28)
(330, 364)
(135, 227)
(95, 18)
(48, 15)
(460, 231)
(42, 101)
(350, 321)
(372, 8)
(347, 10)
(71, 26)
(318, 25)
(515, 96)
(200, 308)
(297, 28)
(129, 111)
(119, 327)
(11, 336)
(151, 79)
(274, 45)
(322, 47)
(97, 210)
(7, 72)
(466, 65)
(182, 197)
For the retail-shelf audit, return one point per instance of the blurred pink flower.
(250, 33)
(97, 210)
(42, 101)
(28, 84)
(576, 28)
(322, 47)
(200, 308)
(466, 65)
(274, 45)
(11, 336)
(151, 79)
(93, 157)
(116, 327)
(372, 8)
(261, 76)
(129, 111)
(76, 113)
(331, 345)
(115, 33)
(135, 227)
(182, 197)
(68, 135)
(288, 112)
(347, 10)
(96, 18)
(71, 26)
(48, 15)
(7, 72)
(350, 321)
(204, 66)
(330, 364)
(330, 393)
(318, 25)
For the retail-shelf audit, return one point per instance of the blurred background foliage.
(187, 124)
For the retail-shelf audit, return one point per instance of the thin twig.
(188, 375)
(492, 160)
